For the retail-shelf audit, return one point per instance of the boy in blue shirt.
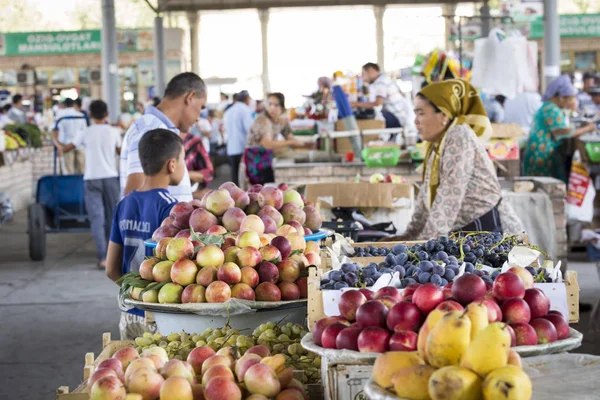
(141, 212)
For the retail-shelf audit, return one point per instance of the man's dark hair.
(185, 83)
(78, 102)
(243, 96)
(155, 101)
(7, 107)
(17, 98)
(69, 102)
(371, 66)
(280, 98)
(212, 113)
(500, 99)
(156, 148)
(589, 75)
(98, 109)
(225, 95)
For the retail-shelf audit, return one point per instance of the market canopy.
(197, 5)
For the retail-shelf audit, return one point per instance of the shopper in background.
(69, 125)
(237, 121)
(595, 94)
(216, 132)
(203, 129)
(101, 143)
(4, 120)
(323, 93)
(141, 212)
(197, 162)
(543, 156)
(270, 133)
(460, 190)
(16, 112)
(223, 103)
(494, 108)
(78, 106)
(584, 98)
(396, 108)
(185, 96)
(521, 110)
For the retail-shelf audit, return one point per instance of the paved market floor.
(55, 311)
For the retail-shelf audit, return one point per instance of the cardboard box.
(343, 145)
(507, 131)
(363, 124)
(346, 381)
(347, 194)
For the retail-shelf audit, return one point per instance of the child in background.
(141, 212)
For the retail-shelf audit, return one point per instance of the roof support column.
(263, 15)
(379, 12)
(160, 64)
(110, 61)
(486, 20)
(551, 41)
(194, 21)
(448, 10)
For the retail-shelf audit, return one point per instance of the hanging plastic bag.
(580, 194)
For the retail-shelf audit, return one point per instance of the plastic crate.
(381, 156)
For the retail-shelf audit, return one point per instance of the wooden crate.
(572, 286)
(109, 347)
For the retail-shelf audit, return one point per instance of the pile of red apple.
(389, 319)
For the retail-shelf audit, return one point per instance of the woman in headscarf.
(542, 155)
(460, 190)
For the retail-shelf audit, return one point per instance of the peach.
(217, 359)
(264, 239)
(313, 219)
(162, 271)
(180, 214)
(108, 387)
(249, 257)
(268, 272)
(312, 247)
(183, 272)
(156, 351)
(232, 219)
(197, 357)
(256, 188)
(262, 379)
(289, 291)
(202, 220)
(289, 270)
(250, 277)
(252, 223)
(206, 276)
(302, 284)
(248, 239)
(222, 388)
(214, 371)
(285, 230)
(184, 233)
(227, 243)
(146, 267)
(296, 225)
(270, 196)
(292, 196)
(292, 212)
(198, 391)
(242, 291)
(114, 364)
(271, 212)
(260, 350)
(166, 221)
(301, 260)
(146, 382)
(126, 355)
(156, 360)
(194, 294)
(240, 198)
(164, 232)
(253, 208)
(245, 362)
(99, 374)
(219, 201)
(283, 245)
(218, 292)
(229, 273)
(289, 394)
(178, 368)
(525, 276)
(285, 376)
(217, 230)
(270, 225)
(210, 256)
(297, 241)
(267, 291)
(170, 293)
(161, 247)
(135, 365)
(229, 186)
(196, 203)
(176, 388)
(231, 254)
(179, 248)
(313, 258)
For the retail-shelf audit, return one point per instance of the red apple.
(330, 334)
(468, 288)
(242, 291)
(494, 311)
(302, 284)
(387, 301)
(513, 336)
(289, 270)
(561, 325)
(526, 335)
(449, 305)
(367, 293)
(317, 330)
(268, 272)
(515, 311)
(404, 316)
(229, 273)
(348, 339)
(289, 291)
(545, 330)
(372, 313)
(448, 290)
(525, 276)
(197, 357)
(403, 341)
(283, 245)
(373, 339)
(556, 312)
(428, 297)
(267, 291)
(538, 302)
(194, 294)
(388, 291)
(180, 214)
(349, 303)
(409, 290)
(508, 286)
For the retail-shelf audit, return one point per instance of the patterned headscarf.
(459, 100)
(561, 86)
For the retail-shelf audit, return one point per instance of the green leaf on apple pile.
(293, 253)
(153, 286)
(206, 239)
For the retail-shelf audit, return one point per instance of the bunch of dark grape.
(349, 275)
(370, 251)
(540, 275)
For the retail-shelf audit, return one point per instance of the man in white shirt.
(395, 107)
(237, 121)
(68, 126)
(16, 113)
(521, 110)
(185, 97)
(101, 143)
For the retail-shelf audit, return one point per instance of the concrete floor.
(55, 311)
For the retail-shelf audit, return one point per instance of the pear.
(432, 319)
(412, 382)
(455, 383)
(489, 350)
(508, 383)
(387, 364)
(448, 340)
(478, 314)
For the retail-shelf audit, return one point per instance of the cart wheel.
(37, 232)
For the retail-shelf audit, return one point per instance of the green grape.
(152, 345)
(262, 327)
(283, 338)
(211, 338)
(174, 344)
(200, 343)
(270, 333)
(163, 343)
(173, 336)
(270, 325)
(143, 341)
(220, 341)
(243, 350)
(240, 341)
(250, 342)
(217, 333)
(178, 357)
(286, 331)
(292, 349)
(145, 348)
(317, 362)
(207, 332)
(256, 332)
(157, 337)
(147, 335)
(264, 342)
(232, 340)
(138, 349)
(214, 345)
(278, 348)
(184, 337)
(296, 329)
(196, 338)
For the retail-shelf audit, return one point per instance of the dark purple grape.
(351, 279)
(436, 279)
(424, 277)
(340, 285)
(425, 266)
(449, 274)
(336, 276)
(437, 269)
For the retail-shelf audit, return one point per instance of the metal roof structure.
(199, 5)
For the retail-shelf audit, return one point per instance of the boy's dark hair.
(69, 102)
(156, 148)
(16, 98)
(183, 83)
(371, 66)
(78, 102)
(98, 109)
